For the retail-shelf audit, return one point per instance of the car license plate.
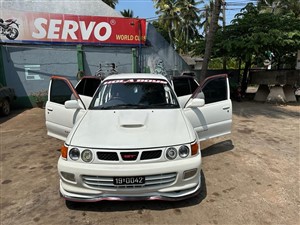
(128, 180)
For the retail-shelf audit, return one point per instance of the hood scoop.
(132, 119)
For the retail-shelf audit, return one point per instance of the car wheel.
(5, 109)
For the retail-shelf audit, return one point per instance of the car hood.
(128, 129)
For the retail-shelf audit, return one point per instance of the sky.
(145, 9)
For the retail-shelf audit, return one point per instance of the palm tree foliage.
(269, 6)
(189, 22)
(111, 3)
(127, 13)
(181, 20)
(279, 6)
(205, 16)
(291, 6)
(271, 25)
(168, 16)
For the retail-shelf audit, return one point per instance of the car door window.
(184, 86)
(88, 86)
(215, 90)
(60, 91)
(181, 87)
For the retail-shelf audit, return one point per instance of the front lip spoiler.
(116, 198)
(67, 197)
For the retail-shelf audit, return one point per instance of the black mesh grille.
(109, 156)
(151, 155)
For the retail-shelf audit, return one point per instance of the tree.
(111, 3)
(210, 38)
(189, 24)
(168, 16)
(162, 30)
(279, 6)
(181, 20)
(291, 6)
(205, 16)
(253, 33)
(127, 13)
(269, 6)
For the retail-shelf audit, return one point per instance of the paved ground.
(251, 176)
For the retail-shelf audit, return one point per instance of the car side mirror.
(195, 103)
(73, 104)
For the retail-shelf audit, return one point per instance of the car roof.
(135, 76)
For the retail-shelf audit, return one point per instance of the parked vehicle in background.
(134, 139)
(7, 95)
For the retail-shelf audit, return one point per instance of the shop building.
(74, 39)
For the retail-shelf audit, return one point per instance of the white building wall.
(83, 7)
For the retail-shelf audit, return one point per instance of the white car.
(134, 139)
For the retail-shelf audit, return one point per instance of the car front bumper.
(180, 188)
(175, 196)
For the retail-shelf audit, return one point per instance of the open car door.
(209, 109)
(59, 118)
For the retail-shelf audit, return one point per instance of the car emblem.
(129, 156)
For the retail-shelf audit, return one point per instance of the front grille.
(152, 181)
(129, 156)
(109, 156)
(151, 155)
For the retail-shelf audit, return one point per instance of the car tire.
(5, 108)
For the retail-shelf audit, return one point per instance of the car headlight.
(74, 154)
(184, 151)
(87, 155)
(171, 153)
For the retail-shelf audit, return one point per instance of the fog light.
(171, 153)
(87, 155)
(68, 176)
(184, 151)
(74, 154)
(189, 173)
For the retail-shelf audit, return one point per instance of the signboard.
(34, 27)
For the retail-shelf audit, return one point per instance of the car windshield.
(134, 94)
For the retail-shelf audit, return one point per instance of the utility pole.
(224, 25)
(224, 13)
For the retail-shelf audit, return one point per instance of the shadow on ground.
(217, 148)
(12, 114)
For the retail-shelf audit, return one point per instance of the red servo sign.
(66, 28)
